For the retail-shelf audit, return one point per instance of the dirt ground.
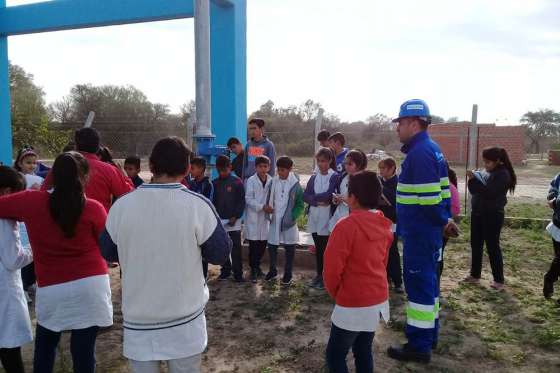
(264, 328)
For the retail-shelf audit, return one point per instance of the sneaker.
(471, 280)
(223, 276)
(497, 286)
(548, 288)
(271, 276)
(406, 353)
(398, 289)
(314, 282)
(286, 280)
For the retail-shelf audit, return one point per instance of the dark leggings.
(394, 270)
(320, 246)
(256, 252)
(554, 271)
(486, 228)
(82, 348)
(11, 360)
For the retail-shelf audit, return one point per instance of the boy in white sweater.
(256, 224)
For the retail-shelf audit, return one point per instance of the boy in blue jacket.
(229, 200)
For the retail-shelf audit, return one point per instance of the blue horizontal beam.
(57, 15)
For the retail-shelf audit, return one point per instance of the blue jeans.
(82, 347)
(341, 341)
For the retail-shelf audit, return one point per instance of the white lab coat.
(319, 216)
(280, 194)
(342, 209)
(256, 224)
(15, 327)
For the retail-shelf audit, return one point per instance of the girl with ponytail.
(73, 292)
(489, 189)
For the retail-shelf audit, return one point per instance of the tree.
(30, 122)
(541, 125)
(452, 120)
(436, 119)
(309, 110)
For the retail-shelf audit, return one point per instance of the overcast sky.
(356, 57)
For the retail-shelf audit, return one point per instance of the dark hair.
(366, 187)
(24, 152)
(262, 159)
(10, 178)
(338, 137)
(233, 141)
(358, 157)
(452, 175)
(323, 135)
(258, 121)
(66, 202)
(105, 155)
(328, 155)
(133, 160)
(388, 162)
(284, 162)
(87, 140)
(170, 156)
(497, 154)
(223, 162)
(200, 162)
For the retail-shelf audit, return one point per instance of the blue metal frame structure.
(227, 48)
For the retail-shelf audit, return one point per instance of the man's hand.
(470, 174)
(232, 221)
(551, 203)
(451, 230)
(268, 209)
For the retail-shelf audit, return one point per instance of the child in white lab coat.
(15, 328)
(318, 195)
(284, 206)
(256, 224)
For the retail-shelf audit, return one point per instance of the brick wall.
(453, 139)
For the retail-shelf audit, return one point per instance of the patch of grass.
(528, 209)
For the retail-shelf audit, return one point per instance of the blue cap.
(414, 108)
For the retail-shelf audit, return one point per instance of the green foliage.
(541, 125)
(30, 123)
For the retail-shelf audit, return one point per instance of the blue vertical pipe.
(228, 53)
(5, 103)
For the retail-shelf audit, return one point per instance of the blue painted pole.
(228, 51)
(5, 103)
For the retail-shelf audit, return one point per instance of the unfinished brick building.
(453, 139)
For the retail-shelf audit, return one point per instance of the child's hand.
(336, 198)
(551, 203)
(451, 230)
(35, 187)
(268, 209)
(470, 174)
(232, 221)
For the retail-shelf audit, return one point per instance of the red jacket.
(58, 259)
(105, 181)
(355, 270)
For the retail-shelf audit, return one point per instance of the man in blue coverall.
(423, 215)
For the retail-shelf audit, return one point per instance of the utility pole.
(473, 153)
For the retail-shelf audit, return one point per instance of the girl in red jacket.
(355, 275)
